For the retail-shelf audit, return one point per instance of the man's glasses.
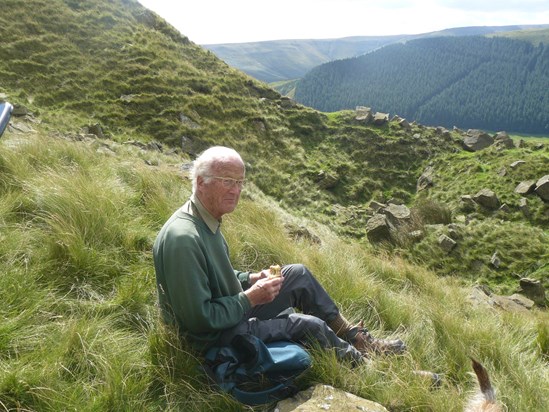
(228, 182)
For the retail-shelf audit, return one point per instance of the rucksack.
(256, 373)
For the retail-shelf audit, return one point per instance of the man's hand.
(264, 289)
(254, 277)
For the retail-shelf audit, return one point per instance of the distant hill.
(278, 60)
(470, 82)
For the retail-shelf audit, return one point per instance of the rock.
(426, 179)
(380, 118)
(19, 110)
(503, 141)
(378, 229)
(523, 206)
(404, 124)
(446, 243)
(97, 130)
(477, 140)
(327, 398)
(533, 289)
(487, 199)
(376, 206)
(526, 187)
(513, 303)
(542, 188)
(495, 260)
(517, 163)
(363, 114)
(326, 180)
(397, 214)
(301, 232)
(467, 204)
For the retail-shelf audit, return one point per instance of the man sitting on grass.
(211, 303)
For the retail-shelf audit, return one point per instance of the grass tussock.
(80, 329)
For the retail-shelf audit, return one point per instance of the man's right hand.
(263, 291)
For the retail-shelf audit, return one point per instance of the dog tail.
(484, 381)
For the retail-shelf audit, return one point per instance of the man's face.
(216, 197)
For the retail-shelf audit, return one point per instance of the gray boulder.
(533, 289)
(426, 179)
(447, 243)
(526, 187)
(487, 199)
(378, 229)
(380, 118)
(397, 214)
(503, 141)
(476, 140)
(327, 398)
(363, 114)
(542, 188)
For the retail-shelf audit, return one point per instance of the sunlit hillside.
(111, 106)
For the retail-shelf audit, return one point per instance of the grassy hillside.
(79, 212)
(80, 329)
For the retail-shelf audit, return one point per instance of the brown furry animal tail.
(484, 381)
(485, 400)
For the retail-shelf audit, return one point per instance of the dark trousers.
(273, 321)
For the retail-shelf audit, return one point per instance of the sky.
(240, 21)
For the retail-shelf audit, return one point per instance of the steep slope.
(115, 69)
(469, 82)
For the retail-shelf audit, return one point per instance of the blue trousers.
(275, 321)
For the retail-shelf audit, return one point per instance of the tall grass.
(79, 327)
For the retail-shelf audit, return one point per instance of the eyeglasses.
(228, 182)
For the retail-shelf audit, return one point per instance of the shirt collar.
(212, 223)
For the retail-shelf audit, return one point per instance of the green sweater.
(198, 289)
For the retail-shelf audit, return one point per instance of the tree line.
(468, 82)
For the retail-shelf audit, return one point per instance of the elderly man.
(211, 303)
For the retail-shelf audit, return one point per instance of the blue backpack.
(256, 373)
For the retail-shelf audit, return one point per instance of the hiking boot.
(366, 344)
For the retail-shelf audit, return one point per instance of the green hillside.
(112, 104)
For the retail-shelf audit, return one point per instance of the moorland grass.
(80, 328)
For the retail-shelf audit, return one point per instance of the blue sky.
(237, 21)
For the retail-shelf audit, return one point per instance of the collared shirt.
(194, 207)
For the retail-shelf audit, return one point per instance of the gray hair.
(207, 161)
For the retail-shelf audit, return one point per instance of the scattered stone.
(534, 290)
(404, 124)
(542, 188)
(503, 141)
(96, 130)
(380, 118)
(19, 110)
(523, 206)
(363, 114)
(378, 229)
(487, 199)
(301, 232)
(495, 261)
(376, 206)
(326, 180)
(397, 214)
(476, 140)
(446, 243)
(526, 187)
(517, 163)
(328, 398)
(426, 179)
(467, 204)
